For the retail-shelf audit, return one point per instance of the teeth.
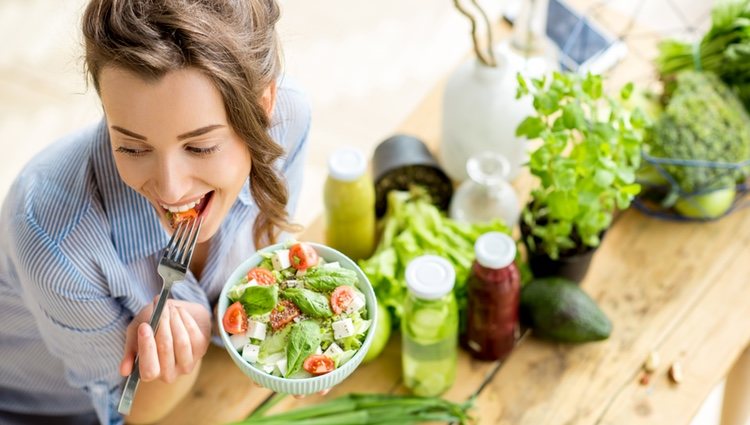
(182, 208)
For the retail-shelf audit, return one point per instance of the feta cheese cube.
(343, 328)
(256, 330)
(333, 350)
(318, 350)
(358, 303)
(300, 273)
(238, 341)
(331, 265)
(250, 352)
(252, 282)
(281, 365)
(280, 260)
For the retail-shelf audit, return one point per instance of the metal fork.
(172, 268)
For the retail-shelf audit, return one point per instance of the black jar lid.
(402, 161)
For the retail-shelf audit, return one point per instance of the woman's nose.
(172, 180)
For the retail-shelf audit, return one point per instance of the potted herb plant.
(588, 151)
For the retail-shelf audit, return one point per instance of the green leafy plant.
(590, 149)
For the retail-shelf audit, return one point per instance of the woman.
(195, 116)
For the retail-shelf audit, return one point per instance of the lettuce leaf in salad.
(311, 303)
(340, 358)
(235, 293)
(259, 300)
(350, 343)
(274, 343)
(304, 339)
(323, 279)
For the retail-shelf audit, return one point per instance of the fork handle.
(128, 393)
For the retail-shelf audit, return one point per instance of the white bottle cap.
(347, 164)
(495, 250)
(430, 277)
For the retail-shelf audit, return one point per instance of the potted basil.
(589, 149)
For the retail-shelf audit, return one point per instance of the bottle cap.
(430, 277)
(347, 164)
(495, 250)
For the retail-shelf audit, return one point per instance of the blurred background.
(365, 65)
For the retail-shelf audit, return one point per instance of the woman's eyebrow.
(193, 133)
(129, 133)
(199, 132)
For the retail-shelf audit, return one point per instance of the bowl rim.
(364, 286)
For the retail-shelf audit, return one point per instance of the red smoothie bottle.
(493, 286)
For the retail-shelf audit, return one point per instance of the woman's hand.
(178, 346)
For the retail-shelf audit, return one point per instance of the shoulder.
(53, 191)
(292, 115)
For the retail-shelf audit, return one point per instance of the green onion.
(369, 409)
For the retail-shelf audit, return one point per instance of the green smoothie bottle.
(349, 197)
(429, 327)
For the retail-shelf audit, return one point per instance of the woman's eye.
(131, 152)
(202, 151)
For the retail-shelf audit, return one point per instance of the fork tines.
(181, 245)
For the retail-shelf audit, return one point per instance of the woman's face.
(172, 143)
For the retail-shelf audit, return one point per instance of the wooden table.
(677, 288)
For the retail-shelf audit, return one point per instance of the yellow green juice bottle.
(349, 197)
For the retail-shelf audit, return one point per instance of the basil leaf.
(304, 339)
(326, 280)
(311, 303)
(260, 299)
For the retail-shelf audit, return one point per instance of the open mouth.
(190, 211)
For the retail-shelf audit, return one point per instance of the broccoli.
(703, 120)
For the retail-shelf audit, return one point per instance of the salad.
(295, 315)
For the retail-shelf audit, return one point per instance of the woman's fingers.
(165, 346)
(320, 393)
(148, 356)
(183, 349)
(198, 340)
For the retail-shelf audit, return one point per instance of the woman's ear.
(268, 99)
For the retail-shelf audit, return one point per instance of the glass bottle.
(429, 327)
(349, 198)
(486, 195)
(494, 284)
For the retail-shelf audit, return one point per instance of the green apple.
(382, 333)
(708, 205)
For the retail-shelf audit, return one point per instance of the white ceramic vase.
(480, 114)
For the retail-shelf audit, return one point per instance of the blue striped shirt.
(78, 256)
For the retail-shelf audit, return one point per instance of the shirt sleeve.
(78, 320)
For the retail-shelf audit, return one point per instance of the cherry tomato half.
(235, 319)
(302, 256)
(284, 312)
(342, 298)
(318, 364)
(264, 277)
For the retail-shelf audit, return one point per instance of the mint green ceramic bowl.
(303, 385)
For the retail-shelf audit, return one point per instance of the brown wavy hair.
(233, 42)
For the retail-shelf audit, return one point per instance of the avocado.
(558, 310)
